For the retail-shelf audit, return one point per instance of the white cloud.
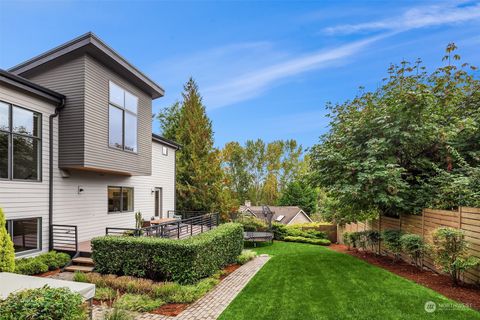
(248, 85)
(414, 18)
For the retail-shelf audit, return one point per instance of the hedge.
(320, 242)
(185, 261)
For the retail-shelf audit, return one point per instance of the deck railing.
(178, 229)
(64, 237)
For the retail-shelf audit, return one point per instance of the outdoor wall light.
(80, 189)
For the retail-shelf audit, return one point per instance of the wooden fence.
(466, 219)
(329, 229)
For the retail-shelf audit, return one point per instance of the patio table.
(12, 282)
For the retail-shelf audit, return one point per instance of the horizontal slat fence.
(465, 218)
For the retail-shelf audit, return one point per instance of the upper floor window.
(122, 120)
(20, 143)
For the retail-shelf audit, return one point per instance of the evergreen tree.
(299, 193)
(7, 252)
(199, 172)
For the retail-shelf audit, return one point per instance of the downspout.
(50, 172)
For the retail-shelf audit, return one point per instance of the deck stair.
(82, 264)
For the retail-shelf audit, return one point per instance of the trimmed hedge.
(320, 242)
(185, 261)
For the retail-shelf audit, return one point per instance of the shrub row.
(320, 242)
(185, 261)
(43, 304)
(42, 263)
(280, 231)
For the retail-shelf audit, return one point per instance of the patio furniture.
(254, 236)
(12, 282)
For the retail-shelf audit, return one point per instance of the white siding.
(89, 209)
(299, 219)
(25, 199)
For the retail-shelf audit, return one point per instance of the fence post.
(423, 234)
(380, 231)
(460, 218)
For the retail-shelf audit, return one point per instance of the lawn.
(303, 281)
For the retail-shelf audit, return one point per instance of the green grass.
(303, 281)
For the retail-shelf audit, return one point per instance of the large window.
(25, 234)
(120, 199)
(20, 143)
(122, 130)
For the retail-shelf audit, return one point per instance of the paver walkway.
(213, 303)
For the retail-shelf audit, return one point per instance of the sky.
(265, 69)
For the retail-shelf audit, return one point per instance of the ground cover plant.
(303, 281)
(42, 263)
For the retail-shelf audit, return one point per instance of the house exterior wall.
(28, 199)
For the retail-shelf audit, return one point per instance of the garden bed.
(466, 294)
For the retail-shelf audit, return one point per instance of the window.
(20, 143)
(164, 151)
(122, 119)
(120, 199)
(25, 234)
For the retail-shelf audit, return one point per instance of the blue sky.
(265, 69)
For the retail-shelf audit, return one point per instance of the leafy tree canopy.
(412, 143)
(300, 193)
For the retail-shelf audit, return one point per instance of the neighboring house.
(287, 215)
(76, 145)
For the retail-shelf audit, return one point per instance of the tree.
(234, 163)
(299, 193)
(412, 143)
(198, 162)
(7, 252)
(169, 118)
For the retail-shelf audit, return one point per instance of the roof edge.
(165, 141)
(27, 85)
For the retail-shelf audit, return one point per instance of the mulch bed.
(48, 273)
(466, 294)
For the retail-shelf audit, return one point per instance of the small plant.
(362, 240)
(414, 247)
(450, 252)
(43, 304)
(80, 277)
(138, 302)
(7, 252)
(30, 266)
(138, 220)
(246, 256)
(373, 239)
(54, 260)
(105, 294)
(346, 239)
(118, 314)
(354, 238)
(391, 240)
(166, 291)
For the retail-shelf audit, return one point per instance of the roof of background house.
(288, 212)
(28, 86)
(165, 141)
(93, 45)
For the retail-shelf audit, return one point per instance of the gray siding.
(97, 152)
(68, 79)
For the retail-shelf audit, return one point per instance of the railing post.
(178, 230)
(201, 224)
(218, 218)
(76, 239)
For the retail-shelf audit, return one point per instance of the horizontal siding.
(24, 199)
(97, 152)
(68, 79)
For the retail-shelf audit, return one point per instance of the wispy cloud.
(414, 18)
(252, 84)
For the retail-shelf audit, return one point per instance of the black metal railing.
(64, 237)
(178, 229)
(185, 214)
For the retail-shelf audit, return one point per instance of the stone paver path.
(213, 303)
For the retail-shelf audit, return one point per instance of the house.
(77, 153)
(287, 215)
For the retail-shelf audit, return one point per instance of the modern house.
(76, 146)
(287, 215)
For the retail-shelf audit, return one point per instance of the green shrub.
(279, 230)
(80, 277)
(373, 238)
(185, 261)
(413, 246)
(450, 252)
(251, 223)
(391, 240)
(105, 294)
(321, 242)
(118, 314)
(30, 266)
(166, 291)
(54, 260)
(354, 237)
(7, 252)
(43, 304)
(137, 302)
(246, 256)
(346, 239)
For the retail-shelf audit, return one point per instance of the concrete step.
(83, 260)
(74, 268)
